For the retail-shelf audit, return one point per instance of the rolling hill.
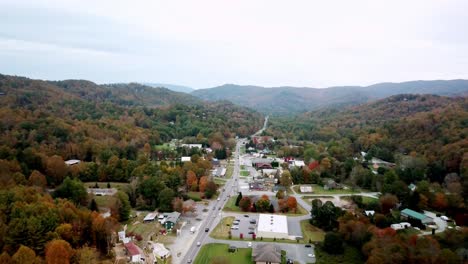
(290, 100)
(78, 118)
(172, 87)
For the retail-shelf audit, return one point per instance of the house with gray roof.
(266, 253)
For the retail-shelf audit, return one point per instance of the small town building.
(331, 185)
(160, 251)
(72, 162)
(135, 252)
(306, 189)
(102, 191)
(369, 213)
(272, 226)
(192, 146)
(219, 172)
(266, 254)
(150, 217)
(410, 214)
(171, 220)
(185, 159)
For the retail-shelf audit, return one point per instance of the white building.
(72, 162)
(160, 251)
(185, 159)
(192, 145)
(272, 226)
(150, 217)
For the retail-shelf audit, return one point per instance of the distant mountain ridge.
(291, 100)
(172, 87)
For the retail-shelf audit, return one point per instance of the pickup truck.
(192, 230)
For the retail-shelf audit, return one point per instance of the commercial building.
(272, 226)
(410, 214)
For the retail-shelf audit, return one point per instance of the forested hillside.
(79, 119)
(292, 100)
(430, 126)
(120, 134)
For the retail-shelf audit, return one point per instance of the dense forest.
(119, 133)
(413, 149)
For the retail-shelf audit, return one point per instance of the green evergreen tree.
(239, 197)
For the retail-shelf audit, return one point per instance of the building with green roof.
(408, 213)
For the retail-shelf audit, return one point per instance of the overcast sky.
(208, 43)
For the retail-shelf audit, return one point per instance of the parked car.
(253, 221)
(249, 244)
(235, 227)
(251, 232)
(198, 243)
(246, 215)
(311, 255)
(308, 246)
(207, 229)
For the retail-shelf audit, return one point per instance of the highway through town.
(215, 213)
(216, 207)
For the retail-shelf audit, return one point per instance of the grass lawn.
(242, 167)
(351, 255)
(311, 233)
(105, 201)
(244, 173)
(365, 199)
(196, 196)
(146, 230)
(221, 230)
(219, 181)
(209, 252)
(317, 189)
(118, 185)
(231, 205)
(229, 171)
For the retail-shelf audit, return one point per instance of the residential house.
(266, 254)
(160, 251)
(171, 220)
(331, 184)
(135, 252)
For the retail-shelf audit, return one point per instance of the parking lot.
(244, 226)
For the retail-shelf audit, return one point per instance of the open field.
(118, 185)
(105, 201)
(311, 233)
(196, 196)
(365, 199)
(317, 189)
(216, 251)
